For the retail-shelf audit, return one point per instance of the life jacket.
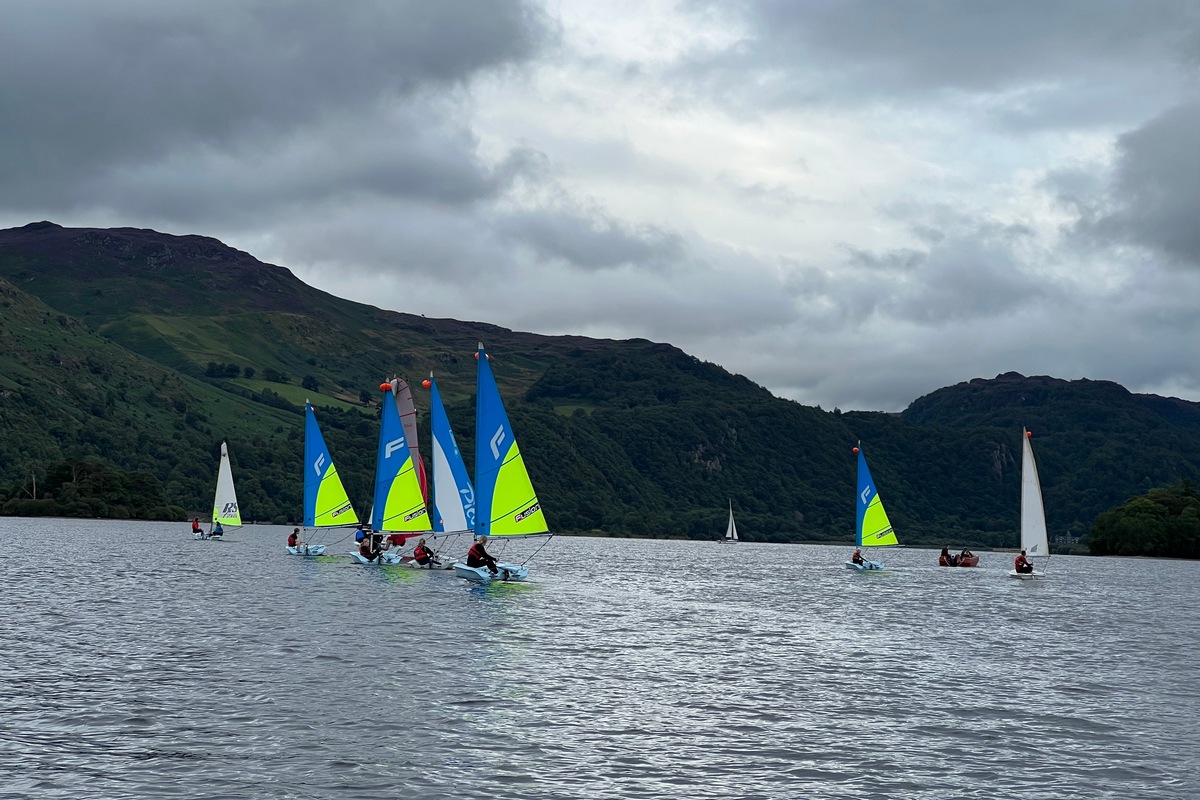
(292, 539)
(195, 527)
(359, 536)
(365, 550)
(421, 553)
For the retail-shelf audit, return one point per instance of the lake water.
(137, 662)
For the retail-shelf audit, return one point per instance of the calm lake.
(137, 662)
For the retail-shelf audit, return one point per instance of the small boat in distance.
(964, 559)
(1034, 541)
(225, 506)
(872, 527)
(731, 530)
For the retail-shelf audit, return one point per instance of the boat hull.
(307, 550)
(208, 537)
(1026, 576)
(971, 561)
(867, 566)
(505, 572)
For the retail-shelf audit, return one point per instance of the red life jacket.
(195, 527)
(420, 552)
(292, 539)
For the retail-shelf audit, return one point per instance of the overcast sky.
(851, 203)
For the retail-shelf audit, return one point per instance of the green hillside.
(144, 351)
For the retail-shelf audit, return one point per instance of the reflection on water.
(145, 663)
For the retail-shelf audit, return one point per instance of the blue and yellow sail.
(399, 503)
(326, 503)
(872, 524)
(506, 504)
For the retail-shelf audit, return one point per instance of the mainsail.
(408, 416)
(453, 497)
(1033, 514)
(398, 504)
(731, 530)
(325, 501)
(872, 525)
(225, 504)
(506, 502)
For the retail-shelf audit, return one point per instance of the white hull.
(307, 550)
(1026, 576)
(208, 536)
(505, 572)
(868, 566)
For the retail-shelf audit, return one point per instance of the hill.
(145, 350)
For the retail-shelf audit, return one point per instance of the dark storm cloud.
(1157, 187)
(1086, 52)
(91, 90)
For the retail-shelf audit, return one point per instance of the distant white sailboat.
(1034, 540)
(731, 534)
(225, 505)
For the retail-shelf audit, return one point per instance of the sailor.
(422, 554)
(478, 556)
(857, 557)
(1022, 564)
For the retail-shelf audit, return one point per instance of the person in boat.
(946, 559)
(422, 554)
(397, 539)
(369, 548)
(196, 529)
(478, 556)
(857, 558)
(217, 529)
(360, 534)
(294, 539)
(1022, 564)
(964, 555)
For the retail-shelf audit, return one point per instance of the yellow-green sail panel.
(333, 504)
(876, 528)
(515, 507)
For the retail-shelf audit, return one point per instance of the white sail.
(225, 505)
(1033, 515)
(731, 531)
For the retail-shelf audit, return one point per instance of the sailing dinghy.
(399, 505)
(452, 509)
(506, 504)
(872, 527)
(1034, 541)
(225, 505)
(326, 504)
(731, 529)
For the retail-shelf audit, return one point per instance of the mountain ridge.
(624, 436)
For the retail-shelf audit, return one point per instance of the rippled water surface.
(137, 662)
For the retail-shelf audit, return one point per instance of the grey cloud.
(1090, 53)
(1157, 187)
(95, 87)
(593, 241)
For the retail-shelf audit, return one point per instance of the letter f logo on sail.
(319, 465)
(866, 493)
(497, 440)
(392, 446)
